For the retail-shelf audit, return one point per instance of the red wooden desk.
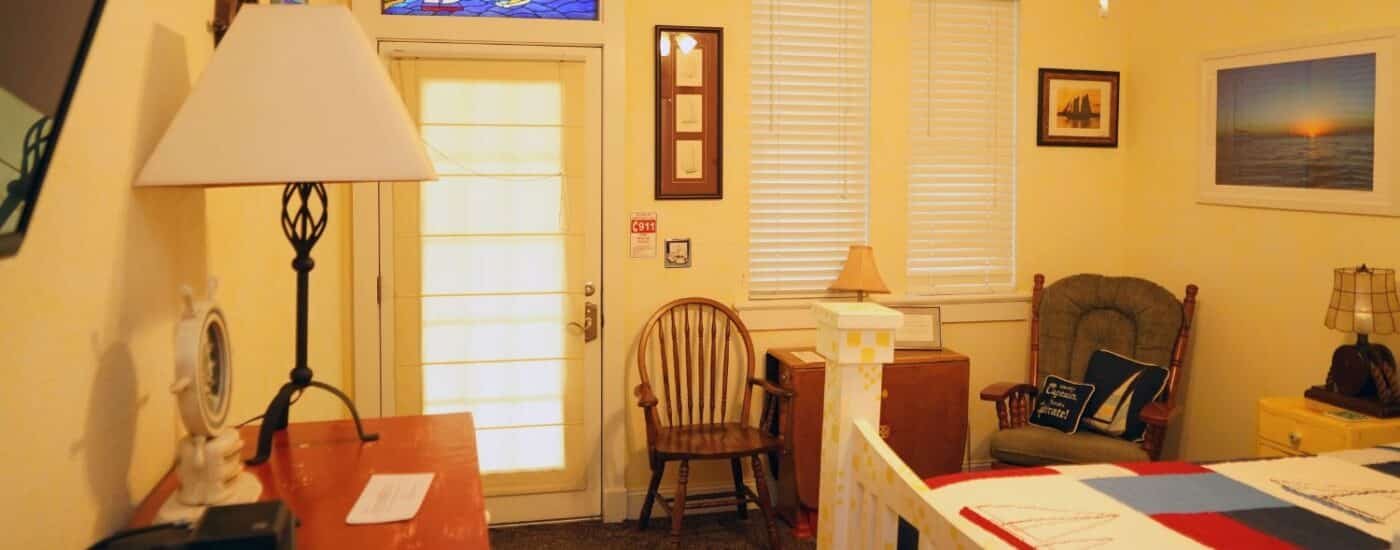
(323, 469)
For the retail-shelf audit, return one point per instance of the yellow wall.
(1264, 274)
(90, 303)
(1067, 197)
(719, 236)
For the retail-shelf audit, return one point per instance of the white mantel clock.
(210, 467)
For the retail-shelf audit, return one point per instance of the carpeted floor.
(703, 531)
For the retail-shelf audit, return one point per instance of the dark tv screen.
(43, 44)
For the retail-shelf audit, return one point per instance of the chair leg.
(678, 503)
(765, 504)
(737, 468)
(657, 469)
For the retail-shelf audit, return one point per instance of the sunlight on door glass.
(495, 266)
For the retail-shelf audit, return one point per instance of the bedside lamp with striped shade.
(1364, 301)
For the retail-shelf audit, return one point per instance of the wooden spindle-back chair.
(704, 358)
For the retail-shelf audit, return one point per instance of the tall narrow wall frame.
(689, 112)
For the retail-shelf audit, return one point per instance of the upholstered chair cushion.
(1037, 446)
(1082, 314)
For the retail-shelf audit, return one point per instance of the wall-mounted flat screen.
(42, 49)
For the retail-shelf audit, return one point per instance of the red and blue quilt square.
(1223, 513)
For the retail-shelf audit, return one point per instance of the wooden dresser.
(923, 416)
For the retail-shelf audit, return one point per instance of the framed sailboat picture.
(1077, 108)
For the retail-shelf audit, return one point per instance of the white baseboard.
(617, 505)
(979, 465)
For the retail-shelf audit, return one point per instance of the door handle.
(589, 326)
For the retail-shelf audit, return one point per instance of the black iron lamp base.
(303, 222)
(275, 419)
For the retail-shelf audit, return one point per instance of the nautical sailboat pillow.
(1125, 386)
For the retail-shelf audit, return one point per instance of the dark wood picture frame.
(709, 183)
(1048, 113)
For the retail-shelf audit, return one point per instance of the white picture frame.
(922, 328)
(690, 68)
(1382, 199)
(690, 159)
(690, 114)
(677, 253)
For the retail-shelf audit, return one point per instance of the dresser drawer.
(1294, 434)
(1265, 449)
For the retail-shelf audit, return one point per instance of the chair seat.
(1037, 446)
(714, 441)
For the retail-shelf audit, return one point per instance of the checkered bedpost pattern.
(856, 339)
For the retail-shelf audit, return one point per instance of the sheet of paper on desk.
(390, 497)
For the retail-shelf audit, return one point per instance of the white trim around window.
(774, 315)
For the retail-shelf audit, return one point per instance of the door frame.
(373, 387)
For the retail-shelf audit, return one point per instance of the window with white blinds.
(811, 118)
(962, 179)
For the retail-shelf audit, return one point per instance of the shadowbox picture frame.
(677, 253)
(689, 112)
(1077, 108)
(1305, 125)
(922, 328)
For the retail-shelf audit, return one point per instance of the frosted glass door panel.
(490, 262)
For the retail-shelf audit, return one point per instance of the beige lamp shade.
(1364, 301)
(859, 273)
(292, 94)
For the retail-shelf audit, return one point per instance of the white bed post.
(856, 339)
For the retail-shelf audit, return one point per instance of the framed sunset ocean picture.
(1303, 127)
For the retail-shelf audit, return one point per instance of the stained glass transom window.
(516, 9)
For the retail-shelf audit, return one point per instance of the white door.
(489, 275)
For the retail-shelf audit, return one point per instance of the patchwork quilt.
(1347, 499)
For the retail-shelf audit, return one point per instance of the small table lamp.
(1364, 301)
(860, 274)
(294, 96)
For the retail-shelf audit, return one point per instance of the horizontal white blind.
(811, 118)
(962, 179)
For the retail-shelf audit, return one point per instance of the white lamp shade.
(292, 94)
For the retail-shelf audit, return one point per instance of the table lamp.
(293, 96)
(860, 274)
(1364, 301)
